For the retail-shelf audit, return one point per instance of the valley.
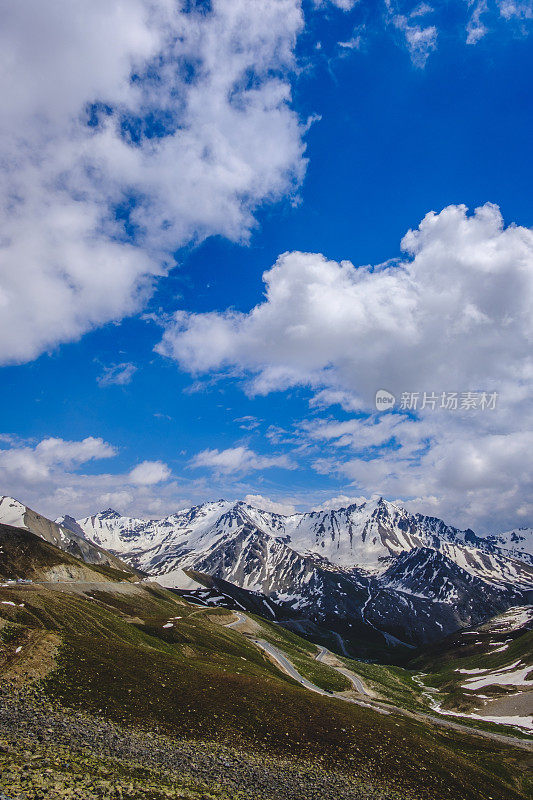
(244, 695)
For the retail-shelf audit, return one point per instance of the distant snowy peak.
(367, 536)
(129, 535)
(518, 542)
(371, 569)
(12, 512)
(70, 524)
(65, 534)
(430, 573)
(109, 513)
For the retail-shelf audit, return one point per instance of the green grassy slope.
(199, 680)
(302, 654)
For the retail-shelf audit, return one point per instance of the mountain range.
(371, 575)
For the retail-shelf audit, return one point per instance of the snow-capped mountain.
(365, 536)
(370, 572)
(518, 543)
(14, 513)
(371, 567)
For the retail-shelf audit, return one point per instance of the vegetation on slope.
(198, 680)
(302, 654)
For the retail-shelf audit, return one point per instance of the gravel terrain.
(47, 753)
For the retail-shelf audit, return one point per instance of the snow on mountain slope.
(14, 513)
(483, 672)
(431, 574)
(366, 536)
(130, 535)
(178, 579)
(518, 543)
(368, 569)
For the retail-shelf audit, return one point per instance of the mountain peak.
(109, 513)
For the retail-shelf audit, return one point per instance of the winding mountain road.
(289, 668)
(239, 621)
(277, 655)
(354, 679)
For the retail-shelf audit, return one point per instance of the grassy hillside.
(302, 654)
(144, 658)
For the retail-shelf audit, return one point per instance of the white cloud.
(36, 464)
(340, 501)
(248, 422)
(115, 500)
(471, 471)
(147, 473)
(238, 460)
(475, 28)
(352, 44)
(470, 478)
(454, 315)
(343, 5)
(420, 39)
(516, 9)
(47, 476)
(117, 375)
(95, 198)
(227, 141)
(266, 504)
(330, 397)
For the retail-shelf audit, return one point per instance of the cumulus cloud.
(452, 315)
(48, 476)
(129, 129)
(455, 313)
(472, 471)
(331, 397)
(340, 501)
(469, 477)
(148, 473)
(35, 464)
(238, 460)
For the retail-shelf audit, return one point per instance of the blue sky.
(330, 130)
